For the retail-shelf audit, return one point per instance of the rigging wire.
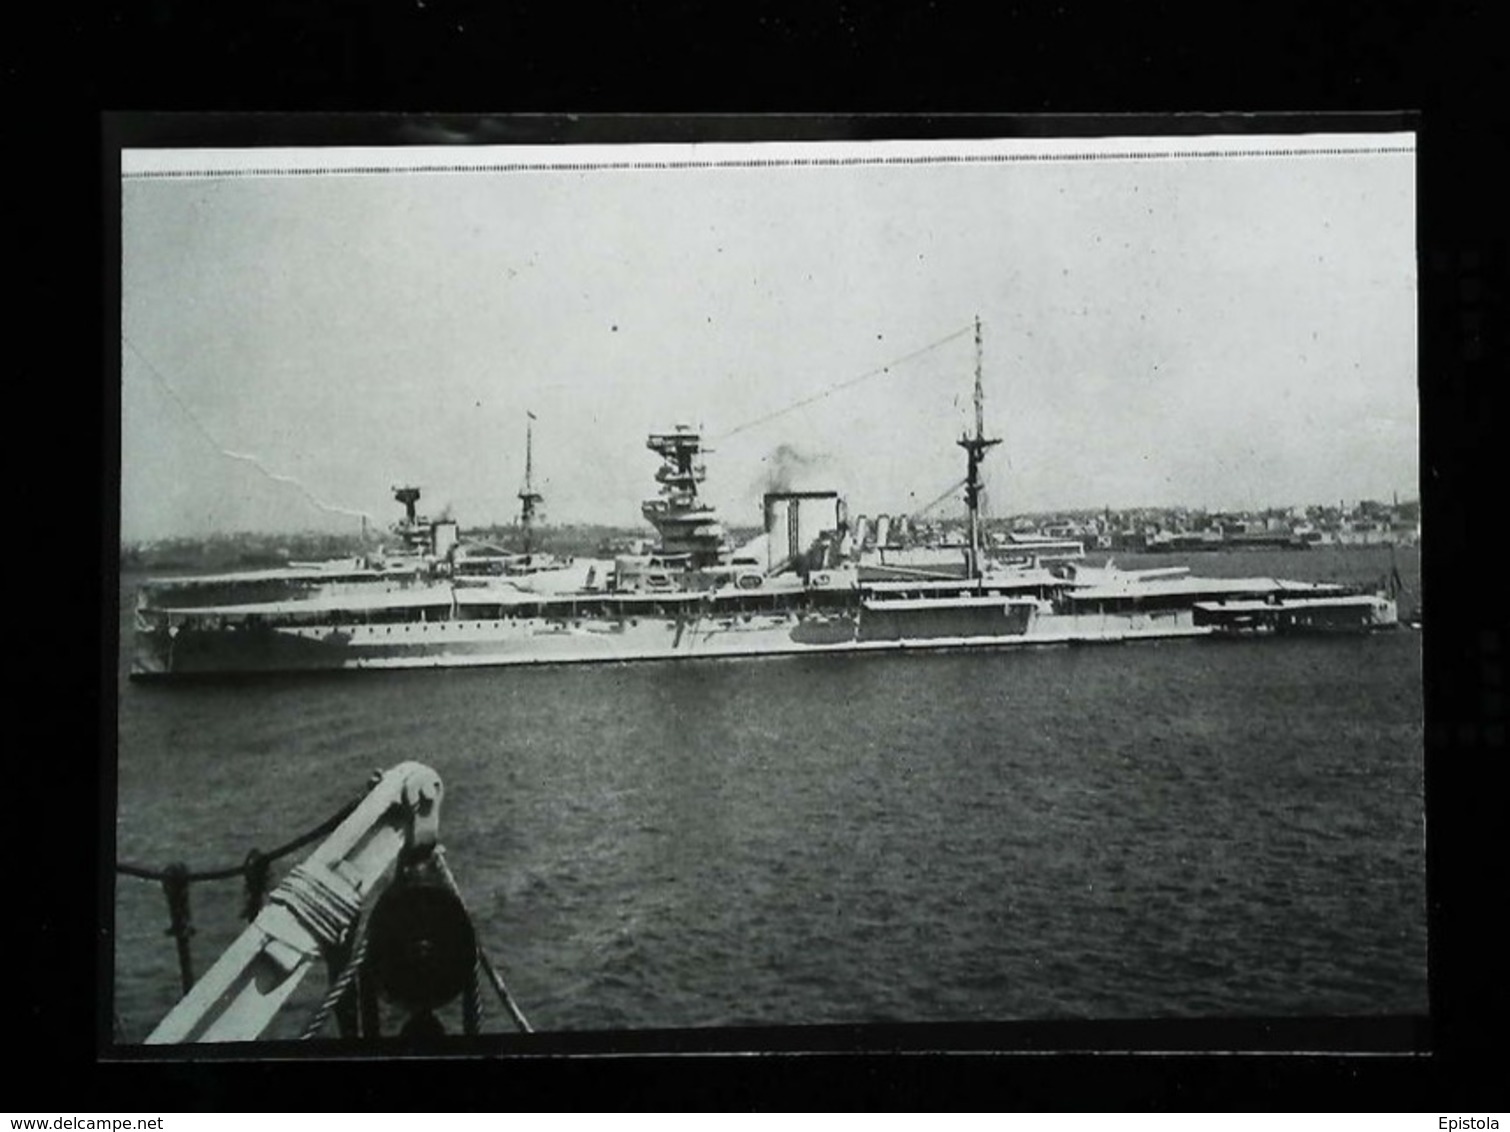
(329, 508)
(832, 389)
(923, 510)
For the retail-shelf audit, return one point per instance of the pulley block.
(421, 948)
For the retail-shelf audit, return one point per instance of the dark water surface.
(1172, 829)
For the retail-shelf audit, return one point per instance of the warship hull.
(807, 584)
(173, 651)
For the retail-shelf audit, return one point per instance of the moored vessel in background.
(810, 581)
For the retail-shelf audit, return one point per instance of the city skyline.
(308, 339)
(938, 519)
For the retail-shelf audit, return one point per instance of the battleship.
(811, 581)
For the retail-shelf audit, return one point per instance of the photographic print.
(723, 586)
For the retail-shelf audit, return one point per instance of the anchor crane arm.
(313, 908)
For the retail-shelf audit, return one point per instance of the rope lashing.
(323, 901)
(175, 882)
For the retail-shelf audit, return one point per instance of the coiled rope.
(323, 901)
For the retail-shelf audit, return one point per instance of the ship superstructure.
(688, 527)
(810, 582)
(421, 537)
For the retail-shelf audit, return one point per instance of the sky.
(1223, 323)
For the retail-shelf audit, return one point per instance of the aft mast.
(975, 450)
(529, 498)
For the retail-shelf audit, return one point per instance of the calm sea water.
(1173, 829)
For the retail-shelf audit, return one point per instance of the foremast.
(976, 448)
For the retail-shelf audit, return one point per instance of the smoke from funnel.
(786, 467)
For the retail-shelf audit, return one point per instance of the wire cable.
(832, 389)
